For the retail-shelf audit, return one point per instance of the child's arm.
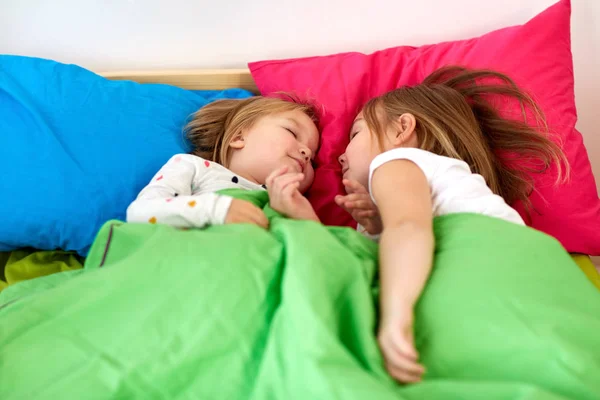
(168, 200)
(403, 196)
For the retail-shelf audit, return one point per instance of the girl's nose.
(342, 159)
(306, 153)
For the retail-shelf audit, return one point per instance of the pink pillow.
(537, 55)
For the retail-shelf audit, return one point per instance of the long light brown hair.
(213, 127)
(457, 115)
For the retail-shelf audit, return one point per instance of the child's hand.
(285, 198)
(396, 342)
(244, 212)
(359, 204)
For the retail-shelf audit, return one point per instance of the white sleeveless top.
(454, 188)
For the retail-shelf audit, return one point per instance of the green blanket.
(237, 312)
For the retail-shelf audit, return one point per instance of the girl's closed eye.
(290, 131)
(353, 134)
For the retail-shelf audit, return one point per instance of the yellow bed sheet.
(21, 265)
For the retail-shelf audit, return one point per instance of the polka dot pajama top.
(182, 194)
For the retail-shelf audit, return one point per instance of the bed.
(138, 319)
(27, 264)
(135, 311)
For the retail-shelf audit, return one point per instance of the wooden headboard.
(192, 79)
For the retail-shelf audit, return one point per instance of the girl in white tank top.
(429, 150)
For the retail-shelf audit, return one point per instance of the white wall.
(152, 34)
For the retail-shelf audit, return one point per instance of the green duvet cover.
(237, 312)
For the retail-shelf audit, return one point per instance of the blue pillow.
(76, 148)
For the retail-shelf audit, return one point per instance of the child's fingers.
(400, 361)
(357, 196)
(406, 348)
(366, 213)
(278, 172)
(342, 205)
(400, 367)
(340, 200)
(352, 186)
(402, 375)
(290, 189)
(359, 201)
(360, 204)
(409, 365)
(281, 182)
(347, 188)
(260, 219)
(247, 213)
(400, 347)
(255, 215)
(354, 202)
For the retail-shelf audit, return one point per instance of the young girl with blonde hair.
(437, 148)
(258, 143)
